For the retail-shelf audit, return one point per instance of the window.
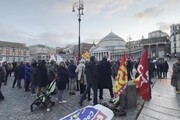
(174, 45)
(174, 38)
(24, 53)
(19, 52)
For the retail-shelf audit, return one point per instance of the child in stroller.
(45, 98)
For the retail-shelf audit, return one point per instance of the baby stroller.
(45, 98)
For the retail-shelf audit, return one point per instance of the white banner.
(97, 112)
(59, 59)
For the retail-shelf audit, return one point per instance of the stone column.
(157, 55)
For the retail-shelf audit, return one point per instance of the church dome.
(112, 40)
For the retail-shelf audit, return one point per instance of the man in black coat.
(42, 77)
(20, 74)
(165, 68)
(92, 80)
(105, 81)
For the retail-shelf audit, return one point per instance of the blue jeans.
(60, 95)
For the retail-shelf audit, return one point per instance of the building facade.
(175, 38)
(158, 44)
(14, 52)
(41, 52)
(113, 47)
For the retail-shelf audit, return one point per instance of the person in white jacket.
(81, 76)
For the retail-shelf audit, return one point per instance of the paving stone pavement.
(16, 105)
(164, 104)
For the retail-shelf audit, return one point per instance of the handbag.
(82, 77)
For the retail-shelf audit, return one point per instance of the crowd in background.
(84, 76)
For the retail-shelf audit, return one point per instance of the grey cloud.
(150, 13)
(92, 6)
(164, 26)
(10, 33)
(56, 39)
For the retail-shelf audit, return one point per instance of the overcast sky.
(52, 22)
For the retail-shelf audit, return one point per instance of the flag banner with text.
(121, 79)
(143, 85)
(97, 112)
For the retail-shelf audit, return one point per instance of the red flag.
(144, 86)
(121, 79)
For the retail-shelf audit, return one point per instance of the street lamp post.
(80, 7)
(129, 46)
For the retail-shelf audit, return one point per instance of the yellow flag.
(121, 79)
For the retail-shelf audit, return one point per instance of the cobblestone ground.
(16, 105)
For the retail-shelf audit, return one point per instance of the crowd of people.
(84, 76)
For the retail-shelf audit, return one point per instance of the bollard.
(131, 95)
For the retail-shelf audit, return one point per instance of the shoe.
(111, 100)
(70, 93)
(62, 101)
(89, 99)
(178, 92)
(80, 103)
(73, 93)
(101, 98)
(27, 90)
(33, 94)
(2, 98)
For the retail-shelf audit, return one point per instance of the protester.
(15, 75)
(27, 77)
(51, 71)
(175, 80)
(92, 80)
(72, 76)
(42, 77)
(62, 77)
(165, 68)
(159, 69)
(105, 81)
(2, 79)
(20, 74)
(81, 76)
(33, 76)
(115, 68)
(151, 68)
(129, 69)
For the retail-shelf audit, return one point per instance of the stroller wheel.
(32, 109)
(52, 103)
(48, 109)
